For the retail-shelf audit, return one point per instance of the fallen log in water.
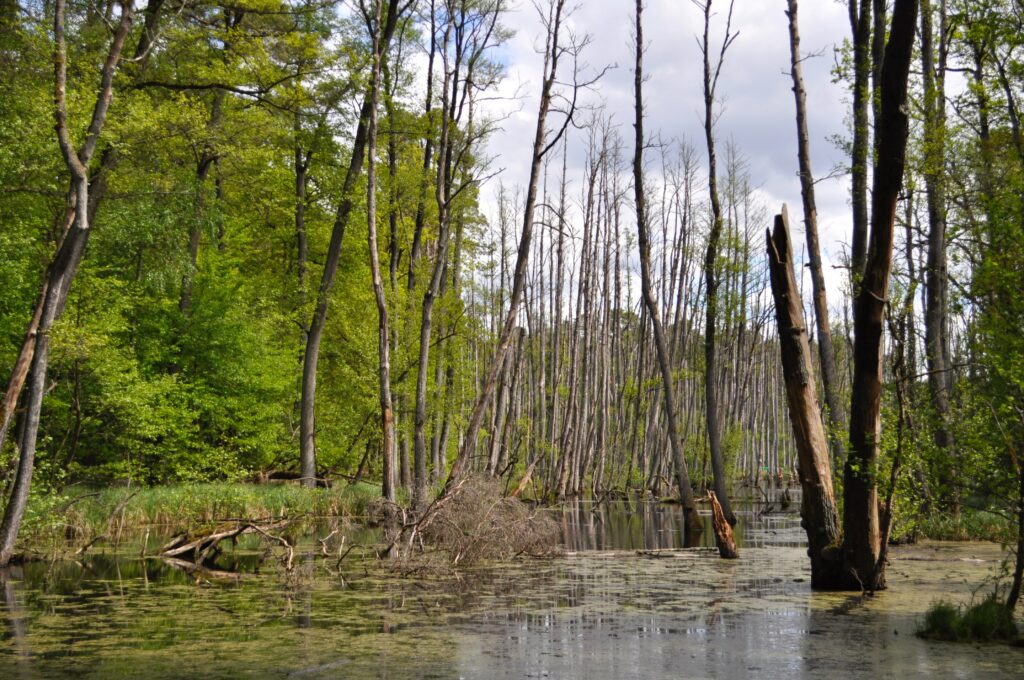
(200, 547)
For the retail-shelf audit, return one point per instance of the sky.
(756, 103)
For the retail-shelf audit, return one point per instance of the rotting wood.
(818, 504)
(723, 530)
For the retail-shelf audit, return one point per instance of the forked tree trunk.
(311, 355)
(861, 537)
(383, 333)
(62, 270)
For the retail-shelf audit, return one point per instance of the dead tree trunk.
(693, 522)
(818, 504)
(714, 426)
(826, 353)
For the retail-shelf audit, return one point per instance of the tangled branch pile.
(474, 522)
(480, 523)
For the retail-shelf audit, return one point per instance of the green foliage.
(178, 357)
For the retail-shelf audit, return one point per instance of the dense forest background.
(233, 240)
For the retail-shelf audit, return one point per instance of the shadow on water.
(603, 611)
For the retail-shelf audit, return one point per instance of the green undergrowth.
(90, 513)
(967, 525)
(985, 621)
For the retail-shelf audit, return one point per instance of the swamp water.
(601, 611)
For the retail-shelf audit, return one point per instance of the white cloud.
(755, 91)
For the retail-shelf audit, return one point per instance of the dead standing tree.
(859, 564)
(544, 141)
(694, 525)
(818, 503)
(714, 426)
(826, 353)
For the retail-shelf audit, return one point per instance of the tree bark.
(826, 352)
(860, 512)
(818, 504)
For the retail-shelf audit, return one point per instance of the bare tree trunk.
(714, 428)
(818, 503)
(694, 526)
(826, 353)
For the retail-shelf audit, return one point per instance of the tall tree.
(62, 270)
(936, 323)
(861, 537)
(311, 354)
(711, 264)
(826, 352)
(693, 522)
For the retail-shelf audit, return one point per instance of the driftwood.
(202, 546)
(723, 530)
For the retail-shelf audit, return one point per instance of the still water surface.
(602, 611)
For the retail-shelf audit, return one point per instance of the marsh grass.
(985, 621)
(113, 512)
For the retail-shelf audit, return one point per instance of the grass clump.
(985, 621)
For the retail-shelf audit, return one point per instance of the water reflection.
(604, 612)
(649, 525)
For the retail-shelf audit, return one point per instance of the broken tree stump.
(723, 530)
